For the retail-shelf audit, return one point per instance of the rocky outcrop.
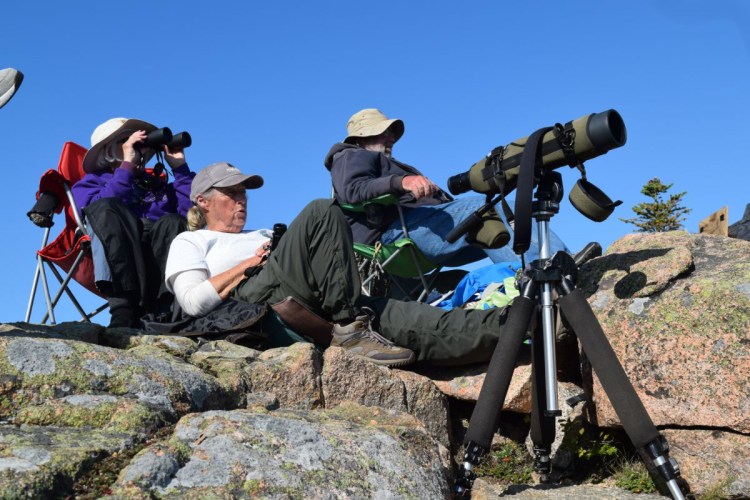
(741, 228)
(91, 411)
(676, 309)
(291, 454)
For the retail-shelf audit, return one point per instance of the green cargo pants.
(315, 264)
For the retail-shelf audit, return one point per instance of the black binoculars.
(160, 137)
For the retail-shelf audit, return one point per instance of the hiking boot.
(123, 309)
(359, 339)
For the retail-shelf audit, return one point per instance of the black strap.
(492, 174)
(530, 159)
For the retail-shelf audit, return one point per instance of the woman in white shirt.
(314, 263)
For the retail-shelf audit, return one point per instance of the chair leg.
(45, 286)
(64, 288)
(37, 274)
(34, 285)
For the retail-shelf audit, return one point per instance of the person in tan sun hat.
(133, 214)
(363, 167)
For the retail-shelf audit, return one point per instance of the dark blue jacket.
(359, 175)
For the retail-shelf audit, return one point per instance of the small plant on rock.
(510, 464)
(595, 449)
(632, 475)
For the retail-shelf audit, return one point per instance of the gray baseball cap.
(222, 174)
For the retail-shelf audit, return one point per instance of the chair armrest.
(384, 199)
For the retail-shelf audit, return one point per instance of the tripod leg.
(542, 430)
(629, 408)
(485, 418)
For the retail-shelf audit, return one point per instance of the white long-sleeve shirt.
(196, 256)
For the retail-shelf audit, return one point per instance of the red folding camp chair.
(71, 250)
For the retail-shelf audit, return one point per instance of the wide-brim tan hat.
(106, 132)
(371, 122)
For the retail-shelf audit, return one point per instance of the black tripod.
(536, 293)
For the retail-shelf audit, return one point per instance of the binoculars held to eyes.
(157, 139)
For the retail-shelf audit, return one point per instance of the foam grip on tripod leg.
(486, 415)
(628, 406)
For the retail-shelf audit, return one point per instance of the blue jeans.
(429, 225)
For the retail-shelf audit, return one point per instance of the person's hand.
(263, 250)
(129, 151)
(174, 158)
(419, 186)
(261, 255)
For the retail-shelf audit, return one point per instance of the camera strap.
(530, 160)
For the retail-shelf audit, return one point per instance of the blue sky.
(269, 87)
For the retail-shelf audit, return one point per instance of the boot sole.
(388, 363)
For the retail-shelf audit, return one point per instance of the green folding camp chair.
(400, 259)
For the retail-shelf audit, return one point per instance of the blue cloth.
(428, 226)
(477, 280)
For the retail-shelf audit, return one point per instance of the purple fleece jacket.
(150, 202)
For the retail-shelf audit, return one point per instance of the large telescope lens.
(595, 134)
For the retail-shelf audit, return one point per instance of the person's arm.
(356, 176)
(118, 184)
(95, 186)
(183, 179)
(187, 254)
(194, 292)
(225, 282)
(198, 294)
(188, 277)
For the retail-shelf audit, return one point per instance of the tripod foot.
(466, 476)
(543, 464)
(662, 467)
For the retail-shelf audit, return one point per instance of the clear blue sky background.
(269, 87)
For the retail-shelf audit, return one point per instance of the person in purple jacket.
(133, 215)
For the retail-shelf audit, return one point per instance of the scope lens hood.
(591, 201)
(606, 130)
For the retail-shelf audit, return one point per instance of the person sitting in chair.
(133, 214)
(363, 168)
(314, 264)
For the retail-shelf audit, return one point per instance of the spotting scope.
(572, 144)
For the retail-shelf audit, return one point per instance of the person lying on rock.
(314, 264)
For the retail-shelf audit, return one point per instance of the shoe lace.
(368, 331)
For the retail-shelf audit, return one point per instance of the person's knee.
(321, 210)
(108, 204)
(319, 206)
